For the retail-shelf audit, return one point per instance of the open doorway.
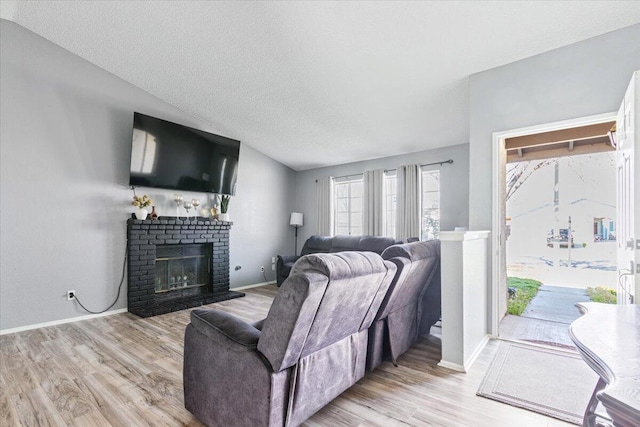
(561, 244)
(564, 239)
(557, 213)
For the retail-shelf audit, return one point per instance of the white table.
(608, 338)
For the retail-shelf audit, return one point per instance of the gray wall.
(579, 80)
(454, 179)
(64, 157)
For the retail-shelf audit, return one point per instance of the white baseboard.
(467, 364)
(107, 313)
(476, 353)
(452, 366)
(255, 285)
(61, 321)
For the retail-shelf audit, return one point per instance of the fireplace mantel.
(142, 239)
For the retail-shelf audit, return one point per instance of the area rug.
(549, 381)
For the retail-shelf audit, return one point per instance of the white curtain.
(408, 207)
(324, 195)
(373, 182)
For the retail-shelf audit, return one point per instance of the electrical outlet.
(71, 295)
(262, 268)
(273, 260)
(273, 267)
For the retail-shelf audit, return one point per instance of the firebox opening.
(182, 266)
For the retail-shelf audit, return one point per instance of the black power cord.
(124, 264)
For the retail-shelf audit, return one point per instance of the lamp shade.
(296, 219)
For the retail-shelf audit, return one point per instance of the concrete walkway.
(547, 318)
(556, 304)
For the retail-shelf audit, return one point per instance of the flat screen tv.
(172, 156)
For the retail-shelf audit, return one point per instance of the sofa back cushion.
(375, 244)
(326, 244)
(345, 243)
(317, 244)
(424, 260)
(327, 298)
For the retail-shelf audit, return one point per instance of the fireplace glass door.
(182, 266)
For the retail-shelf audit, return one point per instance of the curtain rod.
(450, 161)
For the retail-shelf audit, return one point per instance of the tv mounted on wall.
(172, 156)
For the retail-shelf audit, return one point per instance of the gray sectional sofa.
(336, 315)
(327, 244)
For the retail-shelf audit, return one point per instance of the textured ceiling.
(313, 84)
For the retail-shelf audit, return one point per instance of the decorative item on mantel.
(178, 199)
(224, 205)
(195, 203)
(141, 203)
(187, 207)
(214, 206)
(154, 214)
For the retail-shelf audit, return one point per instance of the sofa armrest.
(225, 329)
(227, 382)
(283, 259)
(283, 267)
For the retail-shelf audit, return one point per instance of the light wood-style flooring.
(121, 370)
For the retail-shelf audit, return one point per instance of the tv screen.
(172, 156)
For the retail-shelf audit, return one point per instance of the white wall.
(579, 80)
(65, 132)
(454, 179)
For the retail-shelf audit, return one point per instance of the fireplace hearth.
(176, 264)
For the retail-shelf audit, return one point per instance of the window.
(604, 230)
(390, 203)
(430, 227)
(430, 204)
(348, 207)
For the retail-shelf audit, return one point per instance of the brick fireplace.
(176, 264)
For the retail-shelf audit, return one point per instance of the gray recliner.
(412, 304)
(310, 348)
